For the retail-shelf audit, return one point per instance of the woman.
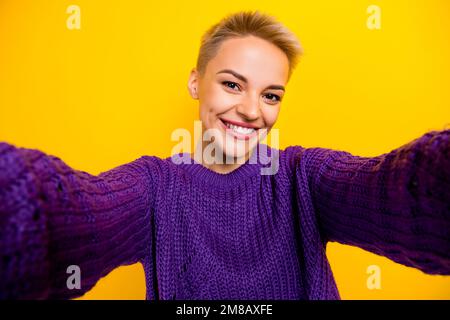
(222, 229)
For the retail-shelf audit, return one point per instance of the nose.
(249, 107)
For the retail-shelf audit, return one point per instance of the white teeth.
(240, 130)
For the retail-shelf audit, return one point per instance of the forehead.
(256, 59)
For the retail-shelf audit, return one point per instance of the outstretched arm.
(53, 217)
(396, 204)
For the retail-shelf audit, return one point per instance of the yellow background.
(115, 90)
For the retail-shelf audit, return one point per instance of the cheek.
(270, 115)
(215, 101)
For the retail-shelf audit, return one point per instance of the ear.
(193, 83)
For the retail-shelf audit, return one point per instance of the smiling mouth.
(239, 132)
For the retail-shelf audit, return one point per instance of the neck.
(224, 166)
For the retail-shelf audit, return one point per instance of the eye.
(230, 84)
(272, 96)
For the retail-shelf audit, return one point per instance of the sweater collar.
(257, 163)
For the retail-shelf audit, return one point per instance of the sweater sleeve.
(396, 204)
(57, 223)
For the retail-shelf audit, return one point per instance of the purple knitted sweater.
(204, 235)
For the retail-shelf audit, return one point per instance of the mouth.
(241, 131)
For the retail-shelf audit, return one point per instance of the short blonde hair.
(245, 23)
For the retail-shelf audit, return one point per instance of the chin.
(238, 149)
(230, 146)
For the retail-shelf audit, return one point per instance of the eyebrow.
(242, 78)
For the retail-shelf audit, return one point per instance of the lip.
(239, 136)
(241, 124)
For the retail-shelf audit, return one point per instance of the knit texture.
(204, 235)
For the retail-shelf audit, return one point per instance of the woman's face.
(240, 93)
